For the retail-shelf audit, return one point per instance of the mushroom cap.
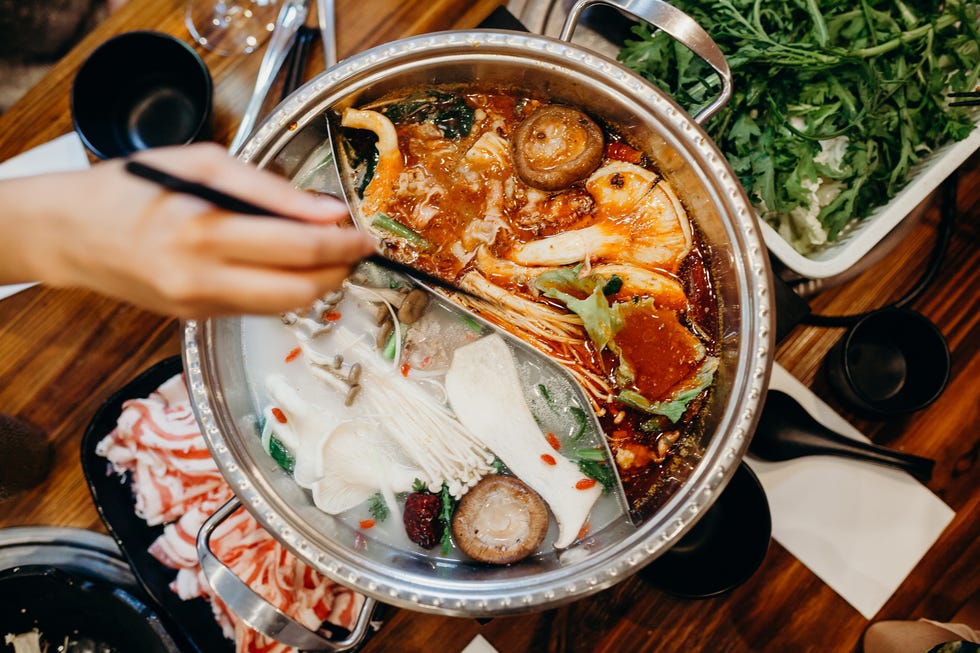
(413, 306)
(556, 146)
(500, 520)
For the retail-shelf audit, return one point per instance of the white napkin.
(479, 644)
(62, 154)
(859, 526)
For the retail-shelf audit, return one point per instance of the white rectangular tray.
(860, 236)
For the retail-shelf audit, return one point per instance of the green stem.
(819, 26)
(905, 37)
(382, 221)
(597, 455)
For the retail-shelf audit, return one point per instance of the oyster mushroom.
(556, 146)
(500, 520)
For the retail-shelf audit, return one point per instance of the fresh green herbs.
(834, 101)
(283, 457)
(601, 320)
(577, 413)
(447, 111)
(377, 507)
(592, 463)
(446, 517)
(580, 421)
(546, 395)
(613, 286)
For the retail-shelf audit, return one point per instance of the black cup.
(723, 549)
(140, 90)
(893, 361)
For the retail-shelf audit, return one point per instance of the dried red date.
(422, 523)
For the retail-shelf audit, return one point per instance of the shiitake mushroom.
(500, 520)
(556, 146)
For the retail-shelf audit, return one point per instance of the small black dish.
(140, 90)
(893, 361)
(114, 501)
(62, 606)
(723, 549)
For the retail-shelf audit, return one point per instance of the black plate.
(63, 605)
(723, 549)
(114, 500)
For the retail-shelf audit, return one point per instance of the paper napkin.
(62, 154)
(859, 526)
(479, 644)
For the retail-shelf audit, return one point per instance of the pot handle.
(676, 23)
(258, 613)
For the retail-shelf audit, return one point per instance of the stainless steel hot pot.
(701, 176)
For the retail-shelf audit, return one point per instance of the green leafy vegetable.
(446, 517)
(470, 323)
(613, 286)
(834, 101)
(580, 421)
(601, 320)
(283, 457)
(378, 507)
(447, 111)
(545, 394)
(577, 413)
(598, 470)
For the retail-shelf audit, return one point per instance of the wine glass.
(232, 27)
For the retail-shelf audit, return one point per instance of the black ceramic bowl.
(723, 549)
(63, 606)
(893, 361)
(140, 90)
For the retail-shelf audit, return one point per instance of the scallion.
(392, 226)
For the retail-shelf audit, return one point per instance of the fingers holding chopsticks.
(247, 258)
(276, 243)
(217, 178)
(175, 253)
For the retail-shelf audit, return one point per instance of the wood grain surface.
(64, 352)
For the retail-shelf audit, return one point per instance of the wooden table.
(63, 352)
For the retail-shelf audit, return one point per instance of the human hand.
(176, 254)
